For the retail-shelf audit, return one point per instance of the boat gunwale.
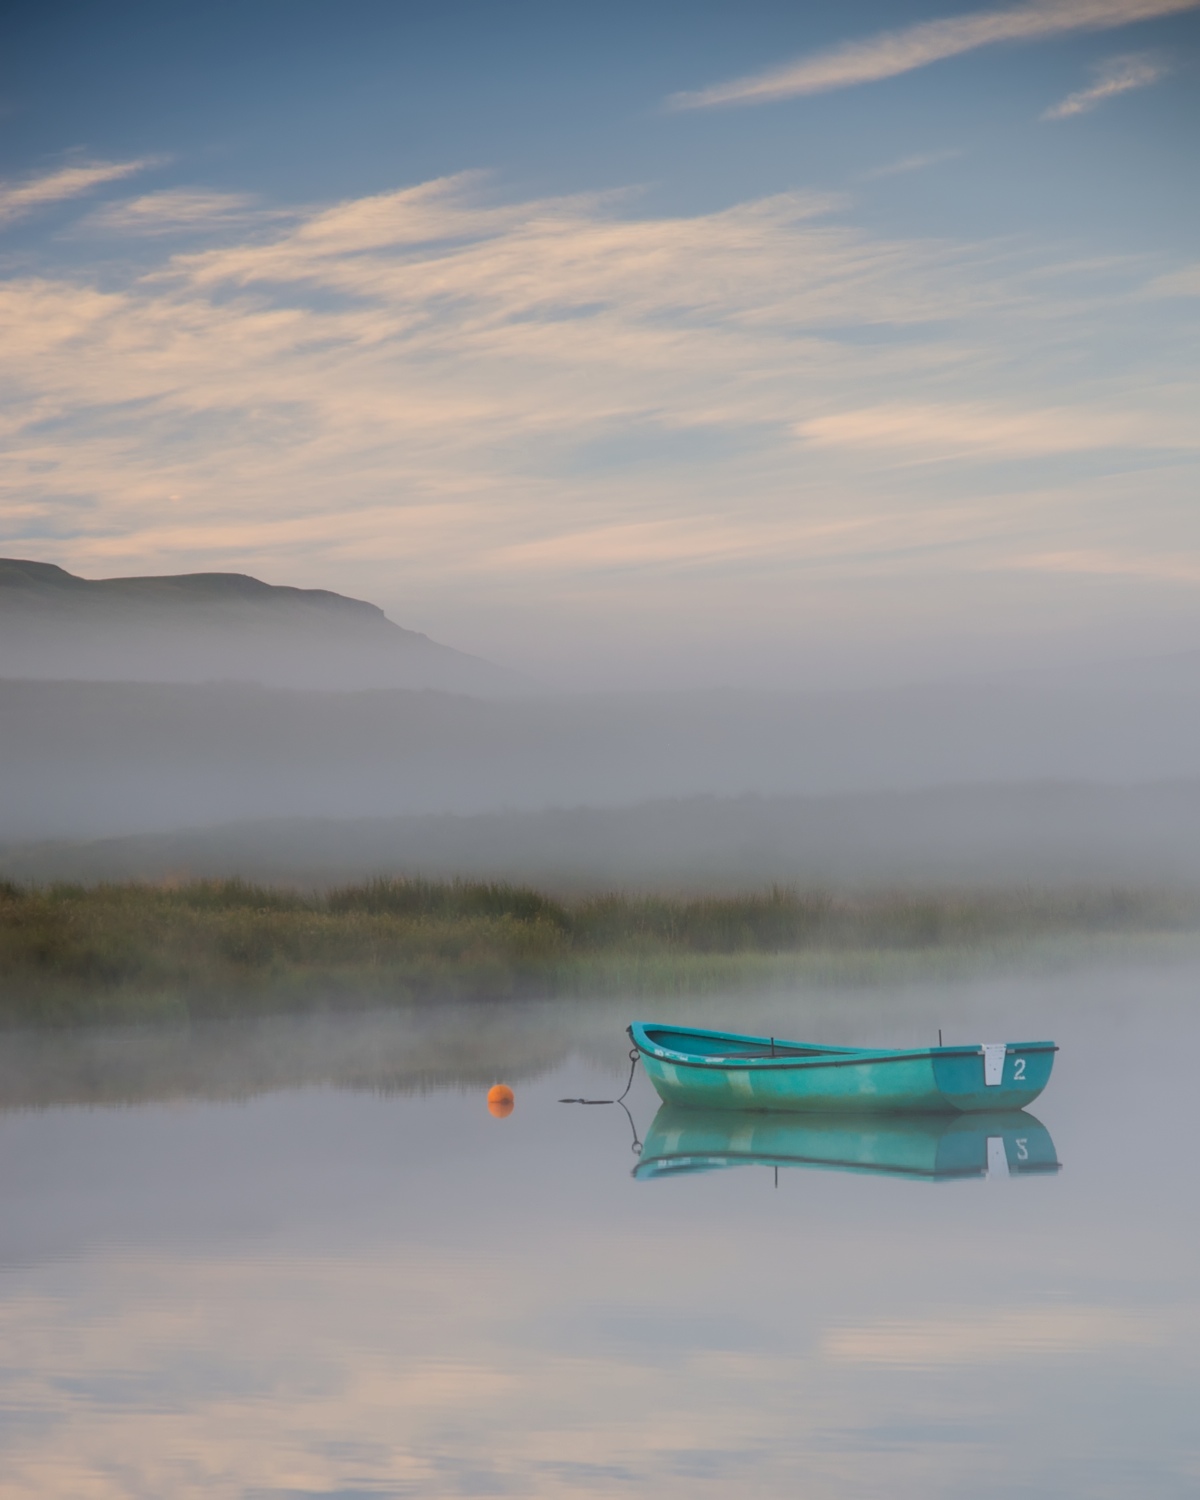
(842, 1057)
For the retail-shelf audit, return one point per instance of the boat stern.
(994, 1076)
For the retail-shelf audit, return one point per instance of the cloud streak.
(173, 210)
(416, 396)
(975, 1339)
(19, 199)
(1116, 76)
(916, 163)
(949, 431)
(891, 53)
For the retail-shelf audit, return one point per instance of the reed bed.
(71, 953)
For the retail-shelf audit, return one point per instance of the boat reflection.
(932, 1148)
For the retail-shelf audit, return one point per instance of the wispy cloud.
(18, 199)
(912, 164)
(176, 209)
(400, 392)
(974, 1338)
(1162, 567)
(1184, 282)
(891, 53)
(951, 430)
(1115, 76)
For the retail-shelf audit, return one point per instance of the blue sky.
(627, 344)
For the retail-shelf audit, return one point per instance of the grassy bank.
(110, 952)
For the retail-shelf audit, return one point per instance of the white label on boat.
(997, 1157)
(740, 1081)
(993, 1062)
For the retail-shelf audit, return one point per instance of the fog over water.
(300, 1257)
(1012, 778)
(210, 724)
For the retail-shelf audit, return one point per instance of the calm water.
(301, 1259)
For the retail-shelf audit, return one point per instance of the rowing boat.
(724, 1070)
(929, 1148)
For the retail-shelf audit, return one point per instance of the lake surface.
(301, 1259)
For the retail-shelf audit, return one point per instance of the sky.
(629, 345)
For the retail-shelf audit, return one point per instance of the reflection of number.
(1022, 1148)
(1018, 1070)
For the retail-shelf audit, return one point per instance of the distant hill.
(1039, 836)
(96, 759)
(196, 627)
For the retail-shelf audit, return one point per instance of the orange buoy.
(500, 1100)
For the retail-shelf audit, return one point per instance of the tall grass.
(70, 952)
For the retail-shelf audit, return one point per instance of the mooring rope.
(620, 1099)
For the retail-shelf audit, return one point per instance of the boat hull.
(687, 1067)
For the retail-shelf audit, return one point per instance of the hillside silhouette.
(196, 627)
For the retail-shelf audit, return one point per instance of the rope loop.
(620, 1099)
(634, 1054)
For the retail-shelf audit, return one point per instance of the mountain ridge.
(52, 582)
(190, 627)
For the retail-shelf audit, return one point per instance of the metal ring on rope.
(636, 1148)
(620, 1099)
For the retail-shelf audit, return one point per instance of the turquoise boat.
(724, 1070)
(923, 1148)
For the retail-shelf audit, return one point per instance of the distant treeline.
(73, 953)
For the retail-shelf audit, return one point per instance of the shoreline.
(137, 952)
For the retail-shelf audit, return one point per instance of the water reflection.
(932, 1148)
(302, 1258)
